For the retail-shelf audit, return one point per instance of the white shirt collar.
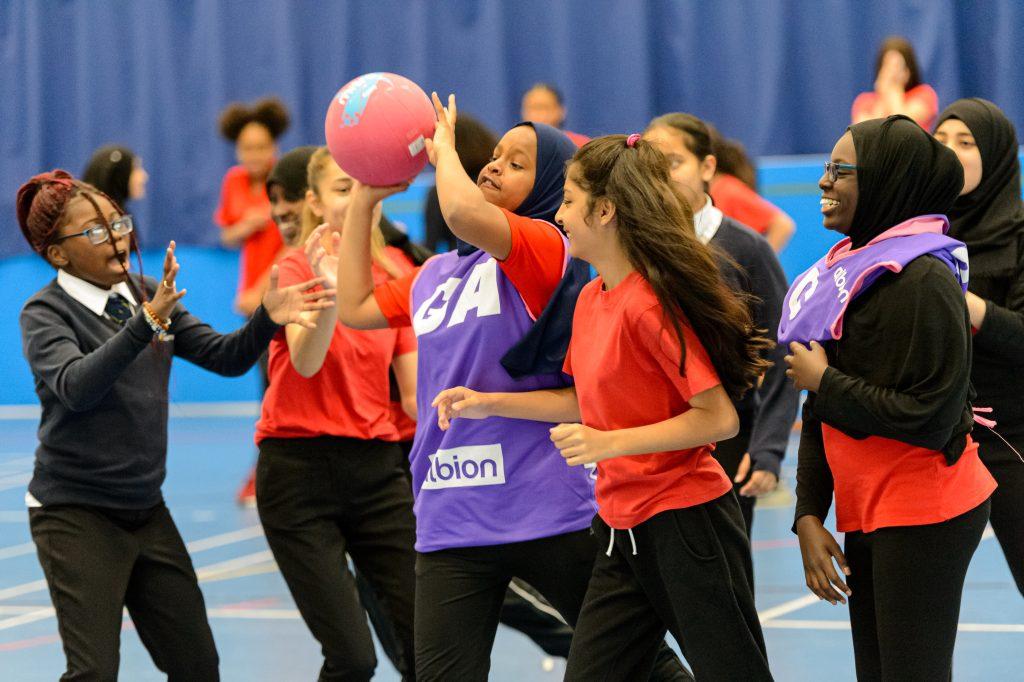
(90, 295)
(707, 220)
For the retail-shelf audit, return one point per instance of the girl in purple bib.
(494, 500)
(879, 335)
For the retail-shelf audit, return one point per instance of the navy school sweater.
(103, 392)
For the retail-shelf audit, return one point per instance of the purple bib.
(815, 305)
(488, 481)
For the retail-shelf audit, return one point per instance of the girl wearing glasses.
(878, 333)
(988, 216)
(100, 342)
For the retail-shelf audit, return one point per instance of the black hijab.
(902, 172)
(554, 150)
(109, 170)
(990, 218)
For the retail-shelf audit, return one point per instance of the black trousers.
(1007, 501)
(907, 582)
(729, 454)
(523, 609)
(459, 595)
(320, 498)
(99, 561)
(690, 575)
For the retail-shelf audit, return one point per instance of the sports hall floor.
(260, 636)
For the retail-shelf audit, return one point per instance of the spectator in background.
(543, 103)
(898, 87)
(244, 210)
(734, 191)
(475, 143)
(117, 172)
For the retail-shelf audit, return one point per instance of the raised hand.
(167, 295)
(285, 305)
(323, 261)
(444, 129)
(371, 195)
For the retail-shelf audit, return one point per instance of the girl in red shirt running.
(659, 344)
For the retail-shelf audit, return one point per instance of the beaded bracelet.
(155, 323)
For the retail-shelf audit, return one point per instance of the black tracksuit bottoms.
(98, 562)
(687, 571)
(319, 498)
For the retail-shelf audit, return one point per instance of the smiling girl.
(879, 335)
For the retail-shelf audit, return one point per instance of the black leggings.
(906, 583)
(459, 594)
(319, 498)
(97, 562)
(687, 571)
(1007, 501)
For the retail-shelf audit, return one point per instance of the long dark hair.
(906, 50)
(655, 227)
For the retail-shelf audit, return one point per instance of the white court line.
(256, 614)
(223, 539)
(17, 550)
(195, 546)
(24, 588)
(845, 625)
(248, 408)
(244, 561)
(9, 609)
(788, 607)
(30, 617)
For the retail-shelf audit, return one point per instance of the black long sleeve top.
(901, 371)
(998, 371)
(103, 391)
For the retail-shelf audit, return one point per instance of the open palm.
(285, 305)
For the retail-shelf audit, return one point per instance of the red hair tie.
(632, 140)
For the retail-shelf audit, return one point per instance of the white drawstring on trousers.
(611, 541)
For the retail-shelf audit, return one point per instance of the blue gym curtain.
(153, 74)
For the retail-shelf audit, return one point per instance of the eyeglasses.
(832, 169)
(99, 234)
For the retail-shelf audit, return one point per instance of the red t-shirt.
(535, 266)
(579, 139)
(880, 483)
(733, 198)
(261, 248)
(923, 94)
(626, 365)
(350, 395)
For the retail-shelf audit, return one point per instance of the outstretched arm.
(470, 216)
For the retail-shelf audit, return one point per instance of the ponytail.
(655, 228)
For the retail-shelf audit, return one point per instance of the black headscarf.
(989, 219)
(109, 170)
(554, 149)
(902, 172)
